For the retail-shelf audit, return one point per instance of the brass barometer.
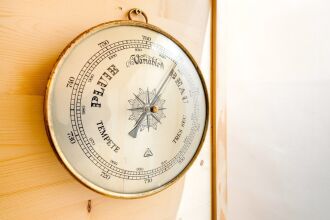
(126, 108)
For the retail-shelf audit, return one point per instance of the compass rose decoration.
(142, 104)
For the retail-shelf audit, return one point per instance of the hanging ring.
(137, 12)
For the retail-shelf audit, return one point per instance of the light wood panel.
(33, 183)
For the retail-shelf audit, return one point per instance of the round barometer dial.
(126, 109)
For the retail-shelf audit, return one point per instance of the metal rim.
(49, 127)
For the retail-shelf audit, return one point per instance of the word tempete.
(106, 137)
(102, 83)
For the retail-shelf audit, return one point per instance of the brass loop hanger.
(137, 12)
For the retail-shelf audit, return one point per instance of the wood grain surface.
(33, 183)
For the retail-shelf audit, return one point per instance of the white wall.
(275, 55)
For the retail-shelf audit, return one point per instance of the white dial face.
(126, 109)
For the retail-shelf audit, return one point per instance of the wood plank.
(32, 36)
(33, 183)
(22, 124)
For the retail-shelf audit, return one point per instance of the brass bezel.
(50, 131)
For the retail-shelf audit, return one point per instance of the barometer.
(126, 108)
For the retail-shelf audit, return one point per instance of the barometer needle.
(134, 131)
(156, 97)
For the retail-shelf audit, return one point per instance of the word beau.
(136, 59)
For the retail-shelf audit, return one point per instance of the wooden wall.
(33, 183)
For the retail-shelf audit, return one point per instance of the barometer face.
(126, 109)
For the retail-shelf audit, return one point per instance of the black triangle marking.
(148, 153)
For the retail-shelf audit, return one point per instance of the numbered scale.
(126, 108)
